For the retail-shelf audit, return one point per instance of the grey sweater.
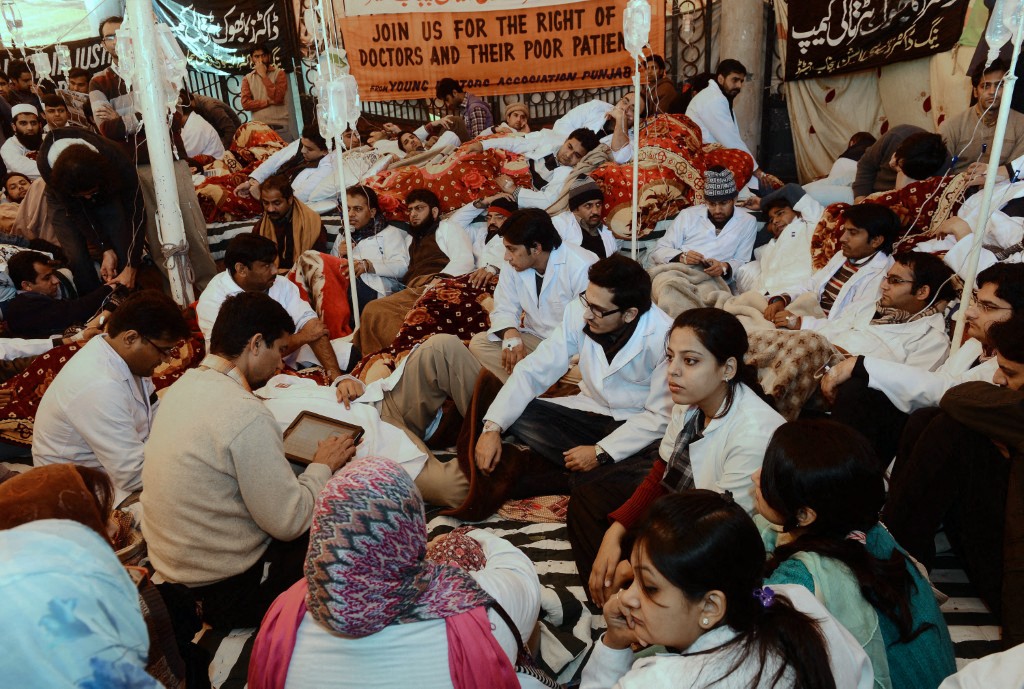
(216, 484)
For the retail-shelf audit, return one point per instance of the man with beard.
(660, 92)
(969, 135)
(21, 87)
(288, 222)
(582, 224)
(715, 235)
(436, 248)
(16, 187)
(488, 248)
(222, 501)
(251, 266)
(19, 153)
(711, 109)
(547, 274)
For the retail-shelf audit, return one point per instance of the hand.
(250, 188)
(511, 357)
(608, 557)
(479, 278)
(620, 634)
(363, 266)
(342, 246)
(102, 112)
(108, 266)
(581, 458)
(126, 277)
(836, 376)
(335, 452)
(773, 308)
(447, 121)
(350, 390)
(691, 258)
(787, 321)
(488, 451)
(954, 227)
(392, 129)
(86, 334)
(475, 147)
(505, 183)
(261, 68)
(753, 203)
(715, 268)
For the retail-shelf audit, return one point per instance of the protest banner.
(540, 48)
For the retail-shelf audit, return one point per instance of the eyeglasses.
(597, 311)
(111, 37)
(894, 280)
(987, 306)
(165, 352)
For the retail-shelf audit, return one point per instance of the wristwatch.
(511, 343)
(490, 426)
(603, 458)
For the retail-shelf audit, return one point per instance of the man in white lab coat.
(623, 405)
(786, 259)
(99, 409)
(582, 224)
(851, 278)
(547, 274)
(876, 396)
(715, 234)
(711, 109)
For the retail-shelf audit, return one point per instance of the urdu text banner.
(837, 36)
(546, 48)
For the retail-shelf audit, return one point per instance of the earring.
(704, 621)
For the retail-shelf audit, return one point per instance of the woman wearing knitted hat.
(373, 600)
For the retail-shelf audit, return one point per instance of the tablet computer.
(304, 434)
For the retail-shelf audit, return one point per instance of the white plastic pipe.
(340, 167)
(151, 100)
(636, 153)
(1009, 80)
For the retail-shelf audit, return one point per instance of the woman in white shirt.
(378, 609)
(715, 439)
(697, 589)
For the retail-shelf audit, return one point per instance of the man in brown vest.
(265, 91)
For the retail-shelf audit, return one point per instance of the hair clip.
(727, 496)
(766, 595)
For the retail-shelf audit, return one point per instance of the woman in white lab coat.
(697, 590)
(716, 438)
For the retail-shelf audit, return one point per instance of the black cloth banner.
(86, 53)
(829, 37)
(216, 34)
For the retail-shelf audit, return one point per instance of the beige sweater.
(216, 484)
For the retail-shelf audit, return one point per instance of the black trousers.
(242, 600)
(947, 474)
(870, 412)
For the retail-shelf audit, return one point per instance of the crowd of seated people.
(499, 317)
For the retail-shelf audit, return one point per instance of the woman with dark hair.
(820, 483)
(697, 590)
(715, 439)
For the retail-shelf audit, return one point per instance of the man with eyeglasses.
(623, 404)
(877, 397)
(959, 466)
(99, 409)
(112, 104)
(546, 275)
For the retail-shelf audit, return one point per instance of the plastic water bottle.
(996, 34)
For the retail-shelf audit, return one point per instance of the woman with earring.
(715, 439)
(697, 591)
(821, 488)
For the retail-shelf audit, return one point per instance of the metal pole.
(170, 226)
(340, 167)
(1009, 80)
(636, 151)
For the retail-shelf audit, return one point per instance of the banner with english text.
(542, 47)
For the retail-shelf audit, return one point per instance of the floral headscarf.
(70, 612)
(366, 566)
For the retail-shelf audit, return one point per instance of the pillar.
(741, 36)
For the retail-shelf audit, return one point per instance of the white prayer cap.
(23, 109)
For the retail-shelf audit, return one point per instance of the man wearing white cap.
(715, 234)
(19, 152)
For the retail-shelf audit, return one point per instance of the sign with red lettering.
(577, 45)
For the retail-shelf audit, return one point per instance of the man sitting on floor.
(907, 324)
(516, 120)
(623, 405)
(786, 259)
(488, 247)
(251, 263)
(851, 278)
(55, 112)
(20, 151)
(875, 396)
(582, 225)
(288, 222)
(38, 310)
(547, 275)
(715, 235)
(436, 248)
(99, 409)
(953, 470)
(221, 501)
(660, 92)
